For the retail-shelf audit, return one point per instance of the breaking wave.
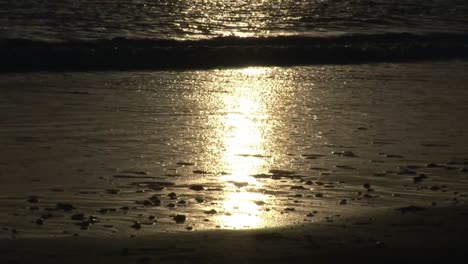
(161, 54)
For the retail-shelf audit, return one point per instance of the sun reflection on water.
(244, 137)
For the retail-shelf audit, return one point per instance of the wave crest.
(130, 54)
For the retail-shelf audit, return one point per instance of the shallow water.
(269, 146)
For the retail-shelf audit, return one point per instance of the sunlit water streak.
(244, 133)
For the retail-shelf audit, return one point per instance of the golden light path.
(244, 134)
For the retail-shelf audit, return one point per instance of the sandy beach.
(259, 164)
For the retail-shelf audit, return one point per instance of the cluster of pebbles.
(146, 202)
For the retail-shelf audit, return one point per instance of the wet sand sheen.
(139, 153)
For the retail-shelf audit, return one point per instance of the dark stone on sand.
(155, 200)
(125, 208)
(317, 169)
(40, 221)
(113, 191)
(240, 184)
(182, 163)
(171, 205)
(172, 195)
(151, 217)
(309, 183)
(410, 209)
(106, 210)
(200, 172)
(310, 215)
(215, 189)
(406, 172)
(290, 209)
(366, 185)
(212, 211)
(342, 202)
(318, 195)
(189, 228)
(46, 216)
(152, 202)
(281, 172)
(259, 203)
(300, 187)
(182, 202)
(136, 225)
(179, 219)
(379, 174)
(197, 188)
(392, 156)
(33, 199)
(64, 206)
(261, 176)
(78, 217)
(419, 178)
(135, 172)
(84, 225)
(156, 186)
(344, 167)
(92, 219)
(199, 199)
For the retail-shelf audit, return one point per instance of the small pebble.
(64, 207)
(33, 199)
(136, 225)
(78, 217)
(179, 219)
(212, 211)
(197, 188)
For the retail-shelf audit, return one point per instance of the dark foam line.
(159, 54)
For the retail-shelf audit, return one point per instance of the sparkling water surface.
(194, 19)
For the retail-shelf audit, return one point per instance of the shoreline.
(417, 239)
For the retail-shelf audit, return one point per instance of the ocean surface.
(200, 19)
(185, 34)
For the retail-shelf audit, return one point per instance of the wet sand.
(435, 236)
(267, 163)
